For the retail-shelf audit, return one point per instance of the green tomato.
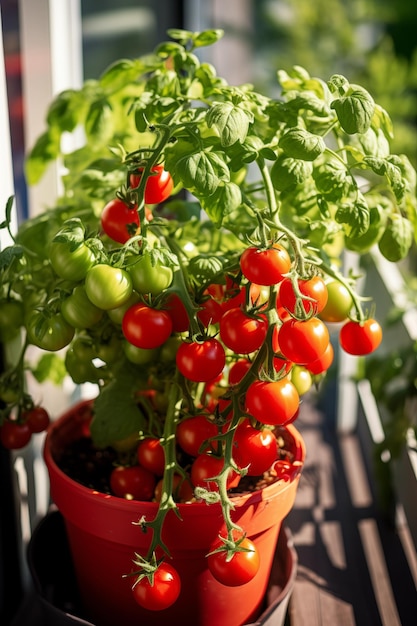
(301, 378)
(108, 349)
(339, 303)
(139, 356)
(49, 332)
(83, 348)
(11, 318)
(71, 264)
(79, 311)
(116, 315)
(148, 277)
(108, 287)
(80, 371)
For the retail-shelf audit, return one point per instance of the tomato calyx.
(230, 546)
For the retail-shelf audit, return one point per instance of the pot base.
(56, 590)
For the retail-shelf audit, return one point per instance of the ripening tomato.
(236, 569)
(201, 361)
(303, 341)
(119, 221)
(272, 403)
(301, 378)
(158, 590)
(195, 431)
(158, 187)
(145, 327)
(314, 288)
(339, 303)
(265, 266)
(151, 455)
(253, 448)
(241, 332)
(133, 483)
(360, 338)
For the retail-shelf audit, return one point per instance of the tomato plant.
(234, 567)
(265, 267)
(145, 327)
(241, 332)
(108, 287)
(303, 341)
(119, 221)
(133, 482)
(151, 455)
(195, 431)
(272, 402)
(159, 185)
(360, 338)
(200, 361)
(253, 448)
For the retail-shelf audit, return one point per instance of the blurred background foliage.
(372, 42)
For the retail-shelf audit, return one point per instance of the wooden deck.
(355, 567)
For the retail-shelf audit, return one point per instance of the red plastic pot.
(103, 536)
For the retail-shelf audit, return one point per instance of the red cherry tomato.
(151, 456)
(133, 483)
(208, 466)
(272, 402)
(119, 221)
(159, 590)
(193, 432)
(37, 418)
(158, 186)
(242, 333)
(145, 327)
(314, 288)
(253, 448)
(237, 570)
(303, 341)
(360, 338)
(265, 267)
(201, 361)
(15, 435)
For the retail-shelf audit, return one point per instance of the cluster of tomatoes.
(16, 433)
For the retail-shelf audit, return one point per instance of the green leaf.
(299, 143)
(397, 238)
(99, 123)
(204, 267)
(50, 367)
(287, 172)
(45, 150)
(355, 216)
(207, 37)
(231, 122)
(65, 111)
(389, 167)
(72, 232)
(201, 172)
(9, 254)
(354, 110)
(122, 73)
(333, 180)
(8, 212)
(226, 199)
(117, 399)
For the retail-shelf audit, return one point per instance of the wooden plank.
(352, 565)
